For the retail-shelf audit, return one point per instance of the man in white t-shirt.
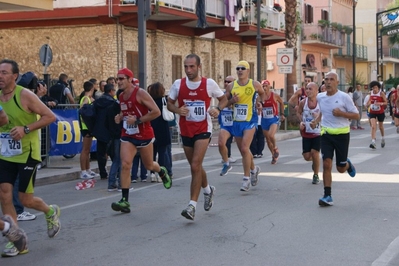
(336, 108)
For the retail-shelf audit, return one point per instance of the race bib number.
(309, 116)
(10, 147)
(130, 129)
(267, 112)
(375, 107)
(240, 112)
(196, 111)
(227, 118)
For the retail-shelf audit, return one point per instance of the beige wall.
(95, 51)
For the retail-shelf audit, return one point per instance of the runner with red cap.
(137, 110)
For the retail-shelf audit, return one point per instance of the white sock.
(207, 189)
(6, 227)
(84, 172)
(194, 203)
(373, 140)
(245, 178)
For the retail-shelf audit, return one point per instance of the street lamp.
(354, 45)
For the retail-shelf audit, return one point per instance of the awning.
(25, 5)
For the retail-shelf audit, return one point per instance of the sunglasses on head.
(240, 68)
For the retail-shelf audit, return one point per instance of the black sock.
(161, 173)
(327, 191)
(125, 193)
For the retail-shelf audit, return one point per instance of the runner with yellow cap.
(246, 96)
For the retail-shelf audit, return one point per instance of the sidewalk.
(61, 169)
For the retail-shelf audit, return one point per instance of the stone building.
(95, 38)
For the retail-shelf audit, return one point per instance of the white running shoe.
(86, 176)
(153, 178)
(26, 216)
(232, 159)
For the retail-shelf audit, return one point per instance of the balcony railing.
(393, 52)
(347, 50)
(270, 18)
(323, 34)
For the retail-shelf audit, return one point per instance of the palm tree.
(291, 36)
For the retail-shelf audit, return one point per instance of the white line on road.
(391, 252)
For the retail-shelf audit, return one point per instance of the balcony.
(324, 37)
(347, 52)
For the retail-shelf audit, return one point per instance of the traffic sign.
(45, 55)
(285, 69)
(285, 56)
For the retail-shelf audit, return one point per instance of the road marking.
(390, 253)
(118, 194)
(362, 157)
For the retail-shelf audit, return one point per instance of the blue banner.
(65, 133)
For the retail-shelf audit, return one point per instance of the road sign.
(285, 69)
(285, 56)
(46, 55)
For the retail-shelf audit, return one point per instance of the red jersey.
(394, 97)
(198, 102)
(131, 106)
(376, 109)
(270, 107)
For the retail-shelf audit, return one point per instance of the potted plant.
(336, 26)
(347, 29)
(323, 23)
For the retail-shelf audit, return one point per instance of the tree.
(291, 37)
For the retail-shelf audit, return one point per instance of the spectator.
(87, 98)
(100, 92)
(161, 130)
(135, 168)
(61, 92)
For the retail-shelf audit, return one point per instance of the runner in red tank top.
(377, 103)
(395, 104)
(137, 110)
(193, 95)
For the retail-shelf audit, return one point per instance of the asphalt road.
(278, 222)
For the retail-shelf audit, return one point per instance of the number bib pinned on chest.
(196, 111)
(267, 112)
(130, 129)
(227, 118)
(10, 147)
(240, 112)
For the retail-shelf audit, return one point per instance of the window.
(251, 70)
(176, 67)
(308, 13)
(324, 15)
(132, 62)
(227, 68)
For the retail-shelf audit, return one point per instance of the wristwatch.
(26, 130)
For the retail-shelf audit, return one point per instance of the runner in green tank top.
(20, 153)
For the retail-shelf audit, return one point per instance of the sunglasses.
(121, 78)
(240, 68)
(227, 81)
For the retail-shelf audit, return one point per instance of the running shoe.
(121, 206)
(53, 222)
(315, 179)
(11, 251)
(232, 159)
(86, 176)
(26, 216)
(226, 168)
(15, 234)
(361, 128)
(351, 170)
(254, 176)
(208, 199)
(373, 146)
(153, 178)
(93, 174)
(326, 201)
(134, 180)
(353, 128)
(382, 143)
(167, 182)
(189, 212)
(112, 188)
(245, 185)
(274, 161)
